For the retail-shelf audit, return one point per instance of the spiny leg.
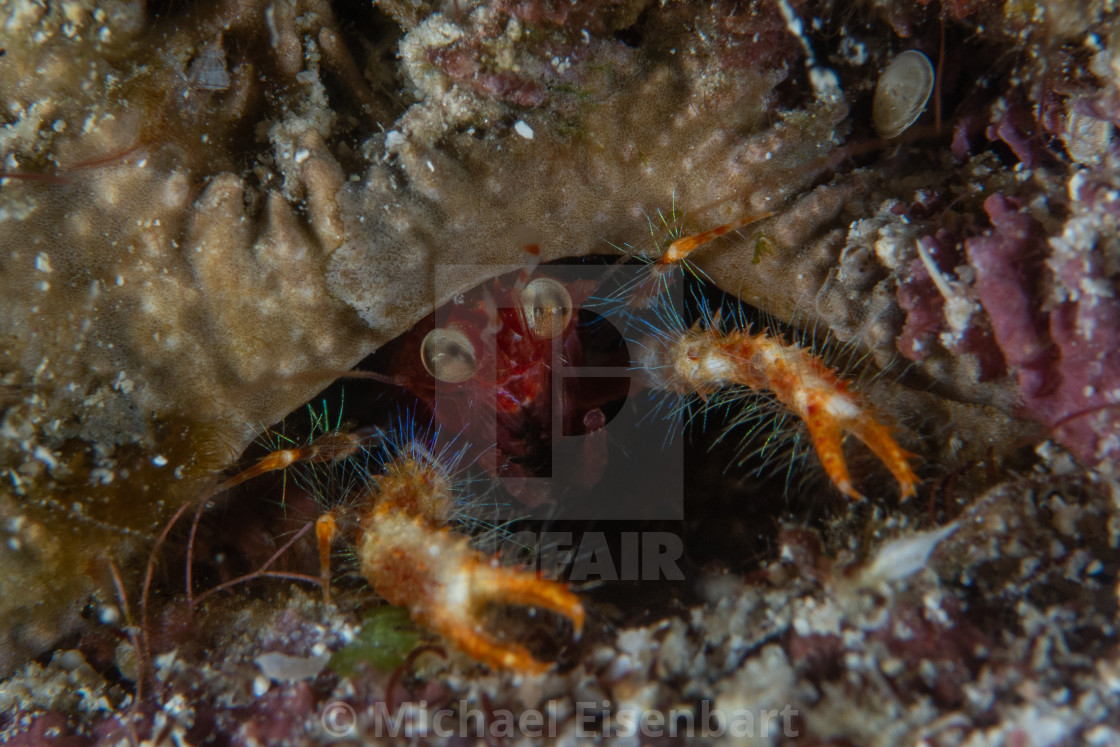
(326, 448)
(697, 361)
(679, 250)
(326, 529)
(645, 291)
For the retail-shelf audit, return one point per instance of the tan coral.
(153, 298)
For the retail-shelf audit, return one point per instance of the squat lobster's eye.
(448, 355)
(547, 307)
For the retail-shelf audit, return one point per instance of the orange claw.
(703, 360)
(438, 576)
(489, 584)
(828, 443)
(511, 586)
(878, 438)
(411, 558)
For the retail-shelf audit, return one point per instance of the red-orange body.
(506, 410)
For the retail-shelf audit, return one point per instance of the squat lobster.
(404, 545)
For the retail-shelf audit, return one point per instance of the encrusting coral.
(153, 298)
(209, 212)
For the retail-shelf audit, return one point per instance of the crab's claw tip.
(526, 590)
(462, 624)
(846, 487)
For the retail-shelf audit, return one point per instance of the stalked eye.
(902, 93)
(448, 355)
(547, 306)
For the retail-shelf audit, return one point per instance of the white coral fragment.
(904, 556)
(281, 667)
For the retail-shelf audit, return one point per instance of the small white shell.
(902, 93)
(1087, 139)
